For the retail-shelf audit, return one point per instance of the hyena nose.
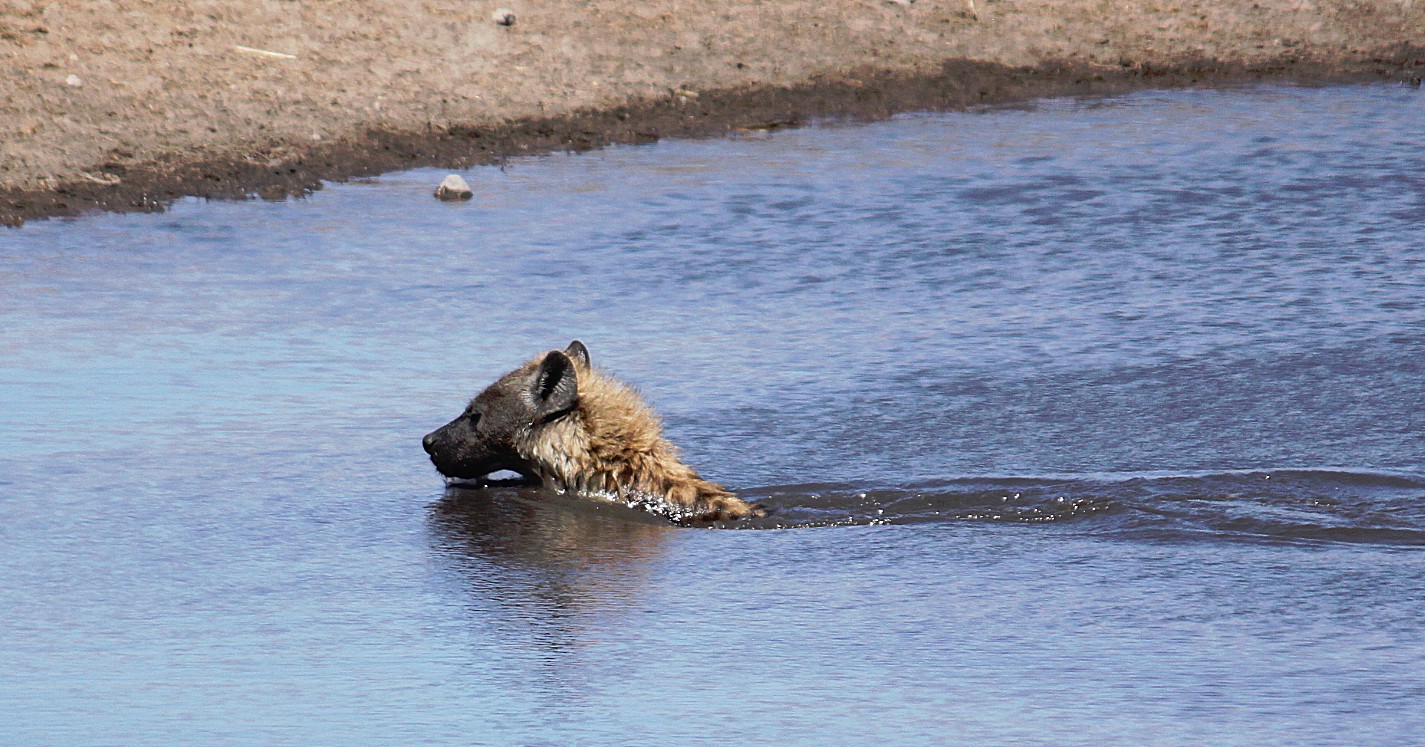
(429, 443)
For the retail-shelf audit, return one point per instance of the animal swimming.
(565, 425)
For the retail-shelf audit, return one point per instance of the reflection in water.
(556, 573)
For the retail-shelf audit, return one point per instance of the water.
(1092, 423)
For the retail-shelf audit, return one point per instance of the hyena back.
(559, 421)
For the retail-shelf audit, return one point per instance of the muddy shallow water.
(1092, 423)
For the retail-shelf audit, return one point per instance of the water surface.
(1093, 423)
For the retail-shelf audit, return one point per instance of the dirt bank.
(128, 104)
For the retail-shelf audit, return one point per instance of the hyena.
(563, 424)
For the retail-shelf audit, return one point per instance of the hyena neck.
(612, 443)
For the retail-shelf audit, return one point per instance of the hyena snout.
(458, 451)
(449, 445)
(438, 442)
(432, 442)
(447, 450)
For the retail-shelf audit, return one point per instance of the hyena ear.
(578, 352)
(555, 388)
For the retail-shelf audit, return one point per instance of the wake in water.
(1284, 505)
(1264, 506)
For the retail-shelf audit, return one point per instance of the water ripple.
(1280, 505)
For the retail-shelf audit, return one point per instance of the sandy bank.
(128, 104)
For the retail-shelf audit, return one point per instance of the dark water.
(1096, 423)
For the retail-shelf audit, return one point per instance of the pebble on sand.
(453, 188)
(73, 80)
(503, 16)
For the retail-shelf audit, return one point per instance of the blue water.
(1094, 423)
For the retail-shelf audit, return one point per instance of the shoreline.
(594, 85)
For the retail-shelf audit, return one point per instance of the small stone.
(453, 188)
(503, 17)
(103, 178)
(74, 81)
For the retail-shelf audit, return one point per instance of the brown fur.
(612, 443)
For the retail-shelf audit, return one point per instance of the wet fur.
(561, 422)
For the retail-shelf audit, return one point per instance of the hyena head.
(487, 437)
(563, 425)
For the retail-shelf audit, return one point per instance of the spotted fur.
(561, 422)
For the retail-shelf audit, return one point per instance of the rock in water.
(453, 188)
